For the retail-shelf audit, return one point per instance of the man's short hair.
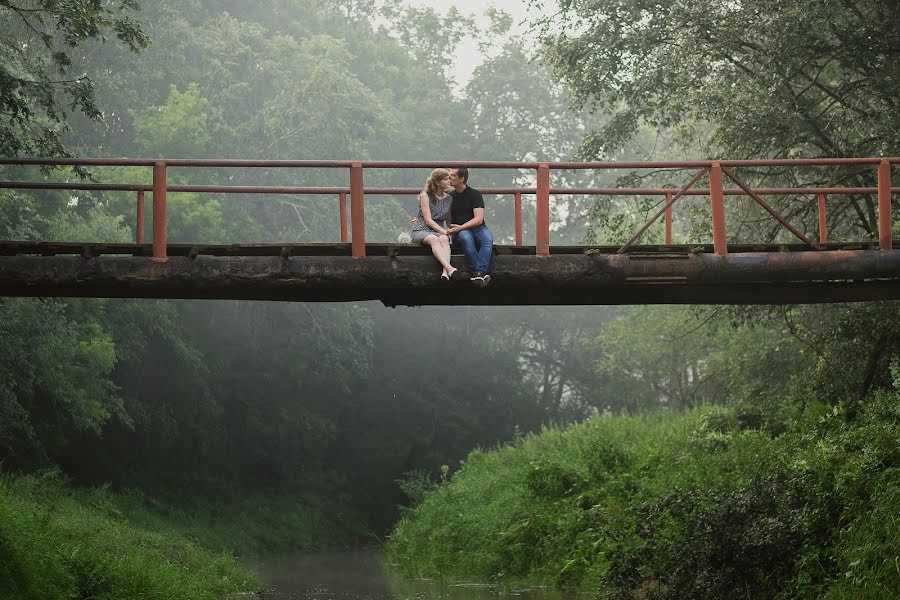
(463, 173)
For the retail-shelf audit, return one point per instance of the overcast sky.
(469, 56)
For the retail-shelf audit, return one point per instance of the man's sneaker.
(486, 280)
(477, 278)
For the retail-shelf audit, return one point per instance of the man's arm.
(475, 221)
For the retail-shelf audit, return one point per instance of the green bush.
(53, 546)
(712, 504)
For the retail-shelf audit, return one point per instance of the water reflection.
(359, 575)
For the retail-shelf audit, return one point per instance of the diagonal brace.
(770, 210)
(668, 205)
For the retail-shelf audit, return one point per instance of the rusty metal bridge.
(350, 269)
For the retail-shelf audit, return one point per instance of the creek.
(362, 575)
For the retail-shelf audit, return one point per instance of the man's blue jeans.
(478, 245)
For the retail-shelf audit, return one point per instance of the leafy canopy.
(36, 81)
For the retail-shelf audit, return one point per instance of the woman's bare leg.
(445, 246)
(438, 251)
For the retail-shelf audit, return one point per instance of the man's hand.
(454, 229)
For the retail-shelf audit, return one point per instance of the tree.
(749, 79)
(35, 66)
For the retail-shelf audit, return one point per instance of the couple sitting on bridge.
(449, 207)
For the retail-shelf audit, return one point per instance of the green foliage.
(36, 48)
(177, 128)
(75, 364)
(811, 67)
(95, 226)
(19, 219)
(416, 485)
(696, 506)
(55, 545)
(749, 79)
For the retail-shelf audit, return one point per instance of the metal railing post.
(542, 221)
(668, 219)
(139, 224)
(357, 213)
(823, 228)
(159, 212)
(885, 220)
(518, 213)
(342, 200)
(717, 204)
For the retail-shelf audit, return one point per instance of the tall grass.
(700, 505)
(56, 546)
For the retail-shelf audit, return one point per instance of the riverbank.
(712, 504)
(57, 541)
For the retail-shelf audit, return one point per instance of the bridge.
(350, 269)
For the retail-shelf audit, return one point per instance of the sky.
(469, 55)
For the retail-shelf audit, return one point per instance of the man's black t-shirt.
(464, 205)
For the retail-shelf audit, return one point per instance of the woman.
(429, 227)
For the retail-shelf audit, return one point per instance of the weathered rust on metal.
(22, 247)
(431, 164)
(342, 215)
(139, 220)
(669, 203)
(357, 211)
(668, 209)
(717, 205)
(823, 224)
(159, 211)
(385, 191)
(692, 164)
(777, 216)
(747, 278)
(885, 218)
(542, 211)
(518, 217)
(542, 190)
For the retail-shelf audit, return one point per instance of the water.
(360, 575)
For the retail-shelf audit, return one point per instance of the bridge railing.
(714, 171)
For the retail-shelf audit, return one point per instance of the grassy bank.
(60, 542)
(56, 545)
(713, 504)
(240, 522)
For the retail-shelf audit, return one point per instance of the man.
(467, 226)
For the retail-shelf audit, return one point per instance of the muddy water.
(360, 575)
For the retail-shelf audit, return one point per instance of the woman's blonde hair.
(433, 184)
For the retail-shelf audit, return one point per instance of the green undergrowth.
(717, 503)
(247, 524)
(59, 544)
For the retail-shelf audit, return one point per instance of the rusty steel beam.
(823, 226)
(542, 211)
(357, 211)
(737, 278)
(431, 164)
(717, 206)
(159, 211)
(885, 218)
(384, 191)
(517, 210)
(139, 221)
(668, 217)
(342, 215)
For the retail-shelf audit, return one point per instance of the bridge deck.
(405, 274)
